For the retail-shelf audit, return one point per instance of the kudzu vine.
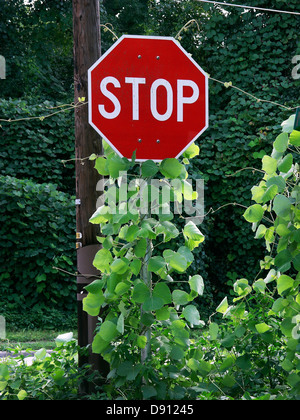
(147, 304)
(266, 311)
(145, 322)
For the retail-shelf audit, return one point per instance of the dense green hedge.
(35, 148)
(37, 233)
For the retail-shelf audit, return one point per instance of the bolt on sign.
(147, 94)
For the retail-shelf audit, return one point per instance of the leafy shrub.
(37, 233)
(47, 375)
(257, 347)
(22, 318)
(35, 148)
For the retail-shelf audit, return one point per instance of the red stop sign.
(146, 94)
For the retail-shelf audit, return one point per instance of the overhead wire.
(250, 7)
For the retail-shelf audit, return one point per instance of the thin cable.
(250, 7)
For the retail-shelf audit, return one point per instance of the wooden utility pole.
(87, 49)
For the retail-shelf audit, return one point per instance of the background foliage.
(253, 50)
(37, 229)
(36, 41)
(35, 149)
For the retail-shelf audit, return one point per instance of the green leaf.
(244, 362)
(178, 262)
(191, 314)
(222, 308)
(95, 287)
(254, 213)
(196, 284)
(22, 394)
(108, 331)
(171, 168)
(148, 392)
(192, 235)
(92, 303)
(153, 303)
(140, 293)
(135, 266)
(204, 368)
(101, 215)
(4, 372)
(260, 232)
(132, 233)
(121, 288)
(191, 231)
(287, 326)
(227, 363)
(181, 335)
(191, 151)
(293, 380)
(281, 205)
(140, 248)
(102, 260)
(125, 368)
(149, 168)
(228, 340)
(141, 341)
(156, 263)
(128, 370)
(187, 254)
(284, 283)
(58, 376)
(262, 328)
(99, 344)
(162, 291)
(228, 380)
(163, 314)
(147, 319)
(286, 163)
(101, 166)
(168, 229)
(176, 353)
(120, 324)
(281, 142)
(288, 125)
(213, 331)
(258, 192)
(270, 193)
(146, 230)
(259, 286)
(116, 164)
(119, 266)
(287, 365)
(296, 262)
(277, 180)
(269, 165)
(242, 288)
(193, 364)
(282, 230)
(295, 138)
(279, 305)
(283, 260)
(180, 297)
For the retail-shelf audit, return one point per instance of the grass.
(31, 339)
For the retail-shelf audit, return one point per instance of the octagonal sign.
(146, 94)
